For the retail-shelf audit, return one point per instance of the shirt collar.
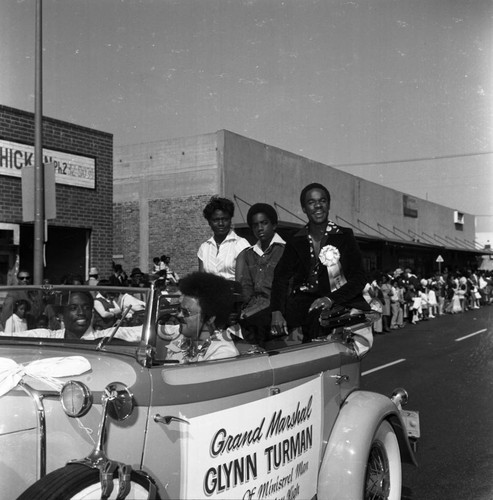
(276, 239)
(230, 236)
(332, 228)
(89, 334)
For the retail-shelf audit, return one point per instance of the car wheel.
(383, 471)
(79, 482)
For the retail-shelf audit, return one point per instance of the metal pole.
(39, 212)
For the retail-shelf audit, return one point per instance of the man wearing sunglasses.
(23, 278)
(197, 329)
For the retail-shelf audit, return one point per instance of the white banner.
(70, 169)
(268, 449)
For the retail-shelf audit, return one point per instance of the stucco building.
(160, 189)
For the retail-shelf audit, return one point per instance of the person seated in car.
(106, 308)
(255, 271)
(77, 323)
(197, 331)
(321, 267)
(135, 315)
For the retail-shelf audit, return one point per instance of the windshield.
(73, 313)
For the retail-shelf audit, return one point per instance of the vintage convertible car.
(111, 418)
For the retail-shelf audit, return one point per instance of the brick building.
(81, 234)
(160, 189)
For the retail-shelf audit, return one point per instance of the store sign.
(409, 205)
(73, 170)
(275, 456)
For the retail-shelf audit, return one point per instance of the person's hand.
(322, 304)
(278, 324)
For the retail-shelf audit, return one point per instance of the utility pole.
(39, 209)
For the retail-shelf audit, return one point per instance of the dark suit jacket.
(294, 267)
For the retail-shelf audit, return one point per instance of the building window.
(458, 220)
(458, 217)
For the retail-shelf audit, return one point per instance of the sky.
(399, 92)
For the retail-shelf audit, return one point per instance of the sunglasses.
(186, 312)
(24, 278)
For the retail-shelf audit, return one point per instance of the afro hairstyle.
(218, 203)
(215, 295)
(262, 208)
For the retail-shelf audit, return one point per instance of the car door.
(193, 404)
(316, 367)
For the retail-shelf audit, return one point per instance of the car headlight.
(76, 398)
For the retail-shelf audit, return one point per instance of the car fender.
(343, 469)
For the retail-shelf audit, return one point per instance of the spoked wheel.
(79, 482)
(383, 471)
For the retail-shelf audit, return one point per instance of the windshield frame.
(61, 290)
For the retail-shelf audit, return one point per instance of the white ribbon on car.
(46, 370)
(329, 256)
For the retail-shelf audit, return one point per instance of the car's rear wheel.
(383, 470)
(79, 482)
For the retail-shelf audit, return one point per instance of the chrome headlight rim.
(78, 395)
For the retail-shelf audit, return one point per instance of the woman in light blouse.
(218, 254)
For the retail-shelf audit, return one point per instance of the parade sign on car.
(275, 457)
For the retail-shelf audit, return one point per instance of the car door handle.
(168, 419)
(340, 378)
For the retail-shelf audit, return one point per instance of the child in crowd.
(423, 295)
(163, 263)
(414, 304)
(156, 265)
(441, 289)
(396, 305)
(374, 296)
(171, 276)
(455, 304)
(432, 300)
(17, 322)
(43, 321)
(462, 293)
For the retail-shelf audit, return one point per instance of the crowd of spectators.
(406, 298)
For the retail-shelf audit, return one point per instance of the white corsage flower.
(329, 255)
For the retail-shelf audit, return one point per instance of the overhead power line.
(445, 157)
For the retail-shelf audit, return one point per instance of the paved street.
(446, 365)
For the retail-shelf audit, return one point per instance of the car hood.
(47, 369)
